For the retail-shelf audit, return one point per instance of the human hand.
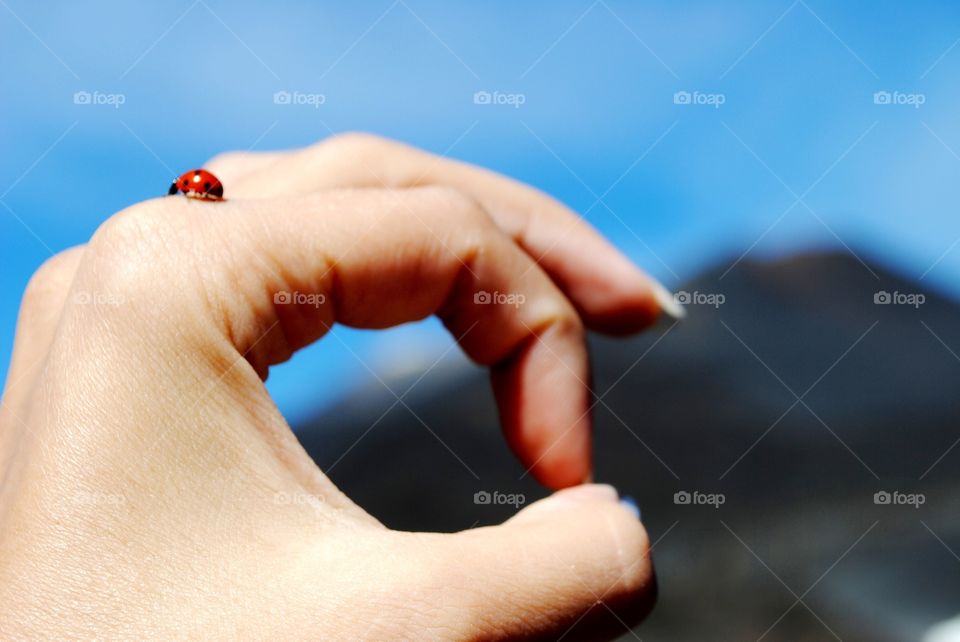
(142, 457)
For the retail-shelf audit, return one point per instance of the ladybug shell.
(198, 183)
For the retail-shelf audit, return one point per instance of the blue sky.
(798, 154)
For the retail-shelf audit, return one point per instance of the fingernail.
(667, 302)
(590, 493)
(630, 504)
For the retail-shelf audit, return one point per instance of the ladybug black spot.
(206, 186)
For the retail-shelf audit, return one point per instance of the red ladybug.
(198, 183)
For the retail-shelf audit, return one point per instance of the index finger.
(610, 292)
(276, 274)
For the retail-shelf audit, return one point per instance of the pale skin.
(141, 458)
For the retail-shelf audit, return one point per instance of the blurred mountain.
(799, 549)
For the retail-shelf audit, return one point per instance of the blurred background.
(789, 167)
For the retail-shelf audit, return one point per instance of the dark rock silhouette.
(710, 405)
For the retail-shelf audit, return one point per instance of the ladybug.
(198, 183)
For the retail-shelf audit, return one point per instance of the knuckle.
(560, 318)
(370, 159)
(52, 277)
(134, 248)
(451, 205)
(54, 272)
(225, 160)
(457, 219)
(353, 144)
(131, 225)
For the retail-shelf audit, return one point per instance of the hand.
(151, 489)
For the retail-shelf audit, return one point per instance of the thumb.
(575, 564)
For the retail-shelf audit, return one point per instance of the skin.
(151, 488)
